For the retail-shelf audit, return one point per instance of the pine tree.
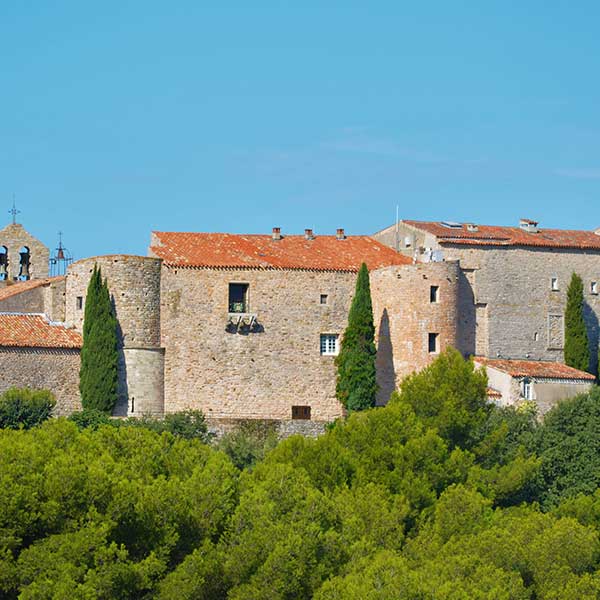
(356, 381)
(577, 349)
(98, 378)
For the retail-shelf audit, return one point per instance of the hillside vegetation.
(436, 496)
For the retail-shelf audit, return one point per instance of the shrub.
(25, 408)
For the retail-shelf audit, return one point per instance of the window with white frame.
(554, 284)
(330, 344)
(527, 389)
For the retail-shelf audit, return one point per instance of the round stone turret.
(134, 285)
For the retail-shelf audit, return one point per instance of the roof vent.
(276, 233)
(528, 225)
(472, 227)
(340, 235)
(451, 225)
(308, 234)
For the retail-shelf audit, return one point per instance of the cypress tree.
(577, 349)
(356, 386)
(98, 377)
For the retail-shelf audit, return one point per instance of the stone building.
(248, 326)
(541, 382)
(513, 282)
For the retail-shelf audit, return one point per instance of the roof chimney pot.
(276, 233)
(308, 234)
(340, 235)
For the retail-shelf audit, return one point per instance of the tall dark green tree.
(98, 377)
(356, 386)
(577, 347)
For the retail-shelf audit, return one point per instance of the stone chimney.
(276, 233)
(308, 234)
(340, 235)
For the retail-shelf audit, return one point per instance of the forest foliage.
(434, 496)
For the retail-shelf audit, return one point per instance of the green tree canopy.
(98, 375)
(356, 386)
(577, 346)
(449, 394)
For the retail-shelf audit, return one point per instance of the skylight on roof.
(451, 224)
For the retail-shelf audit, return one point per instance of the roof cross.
(14, 212)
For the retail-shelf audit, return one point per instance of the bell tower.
(22, 257)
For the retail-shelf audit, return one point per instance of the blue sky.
(119, 117)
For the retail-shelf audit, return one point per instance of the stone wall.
(405, 316)
(409, 239)
(258, 374)
(13, 237)
(54, 369)
(134, 285)
(283, 429)
(48, 299)
(517, 313)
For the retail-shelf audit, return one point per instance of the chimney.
(308, 234)
(472, 227)
(340, 235)
(528, 225)
(276, 233)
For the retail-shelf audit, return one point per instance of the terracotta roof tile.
(491, 235)
(492, 393)
(35, 331)
(534, 368)
(225, 250)
(23, 286)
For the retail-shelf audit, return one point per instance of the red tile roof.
(24, 286)
(35, 331)
(534, 368)
(492, 393)
(225, 250)
(491, 235)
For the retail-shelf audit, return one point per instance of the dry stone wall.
(43, 368)
(252, 374)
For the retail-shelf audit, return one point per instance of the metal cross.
(14, 212)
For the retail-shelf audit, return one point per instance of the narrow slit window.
(433, 343)
(238, 297)
(323, 298)
(434, 294)
(79, 302)
(594, 288)
(554, 284)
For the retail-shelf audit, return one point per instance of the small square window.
(434, 294)
(554, 284)
(238, 297)
(79, 302)
(407, 241)
(323, 298)
(301, 413)
(594, 288)
(433, 343)
(330, 344)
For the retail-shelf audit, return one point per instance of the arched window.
(24, 273)
(3, 263)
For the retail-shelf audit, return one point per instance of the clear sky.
(123, 116)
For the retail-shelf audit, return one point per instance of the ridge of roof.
(35, 330)
(499, 235)
(261, 251)
(534, 368)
